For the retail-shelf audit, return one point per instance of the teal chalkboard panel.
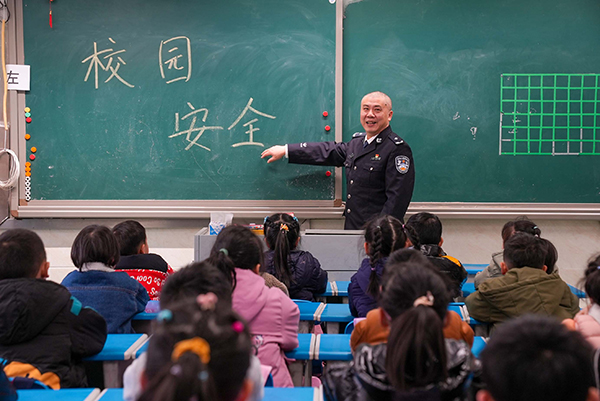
(441, 62)
(145, 99)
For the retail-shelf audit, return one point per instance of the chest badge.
(402, 164)
(376, 157)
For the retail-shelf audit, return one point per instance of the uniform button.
(371, 169)
(348, 210)
(354, 167)
(349, 196)
(351, 182)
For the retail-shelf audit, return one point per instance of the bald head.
(379, 95)
(375, 112)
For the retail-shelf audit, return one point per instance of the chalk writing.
(249, 124)
(95, 62)
(199, 131)
(176, 55)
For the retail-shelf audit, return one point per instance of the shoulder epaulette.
(358, 134)
(396, 139)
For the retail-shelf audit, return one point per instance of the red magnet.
(31, 157)
(327, 128)
(328, 174)
(28, 119)
(325, 114)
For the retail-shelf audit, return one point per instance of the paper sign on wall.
(17, 77)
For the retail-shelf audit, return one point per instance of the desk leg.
(304, 327)
(296, 369)
(333, 328)
(111, 374)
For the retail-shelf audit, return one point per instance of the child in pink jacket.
(587, 322)
(272, 316)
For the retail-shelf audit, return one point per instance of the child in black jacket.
(44, 331)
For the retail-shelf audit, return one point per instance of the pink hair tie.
(207, 301)
(237, 326)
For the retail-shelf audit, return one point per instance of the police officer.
(380, 172)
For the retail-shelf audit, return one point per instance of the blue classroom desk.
(478, 346)
(474, 268)
(118, 350)
(336, 289)
(271, 394)
(67, 394)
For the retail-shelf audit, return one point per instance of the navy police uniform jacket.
(380, 177)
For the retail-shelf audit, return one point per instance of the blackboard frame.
(202, 209)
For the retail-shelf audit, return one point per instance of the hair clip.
(176, 370)
(284, 227)
(426, 300)
(203, 376)
(207, 301)
(224, 251)
(265, 220)
(196, 345)
(164, 315)
(237, 326)
(295, 219)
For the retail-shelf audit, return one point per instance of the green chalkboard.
(444, 63)
(145, 99)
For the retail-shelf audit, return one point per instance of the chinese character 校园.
(192, 129)
(250, 125)
(111, 67)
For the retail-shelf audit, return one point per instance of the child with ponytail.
(587, 322)
(200, 350)
(299, 270)
(272, 317)
(383, 235)
(417, 362)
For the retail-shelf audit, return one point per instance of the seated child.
(115, 295)
(44, 331)
(383, 235)
(521, 224)
(199, 351)
(417, 363)
(535, 358)
(375, 328)
(299, 270)
(428, 228)
(150, 269)
(272, 317)
(198, 278)
(587, 322)
(525, 287)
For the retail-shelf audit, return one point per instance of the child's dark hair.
(551, 256)
(282, 232)
(236, 246)
(131, 235)
(415, 296)
(520, 224)
(525, 250)
(592, 279)
(536, 358)
(428, 228)
(195, 279)
(95, 244)
(21, 254)
(197, 352)
(384, 235)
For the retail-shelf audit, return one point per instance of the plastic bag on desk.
(218, 221)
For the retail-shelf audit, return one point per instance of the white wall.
(469, 240)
